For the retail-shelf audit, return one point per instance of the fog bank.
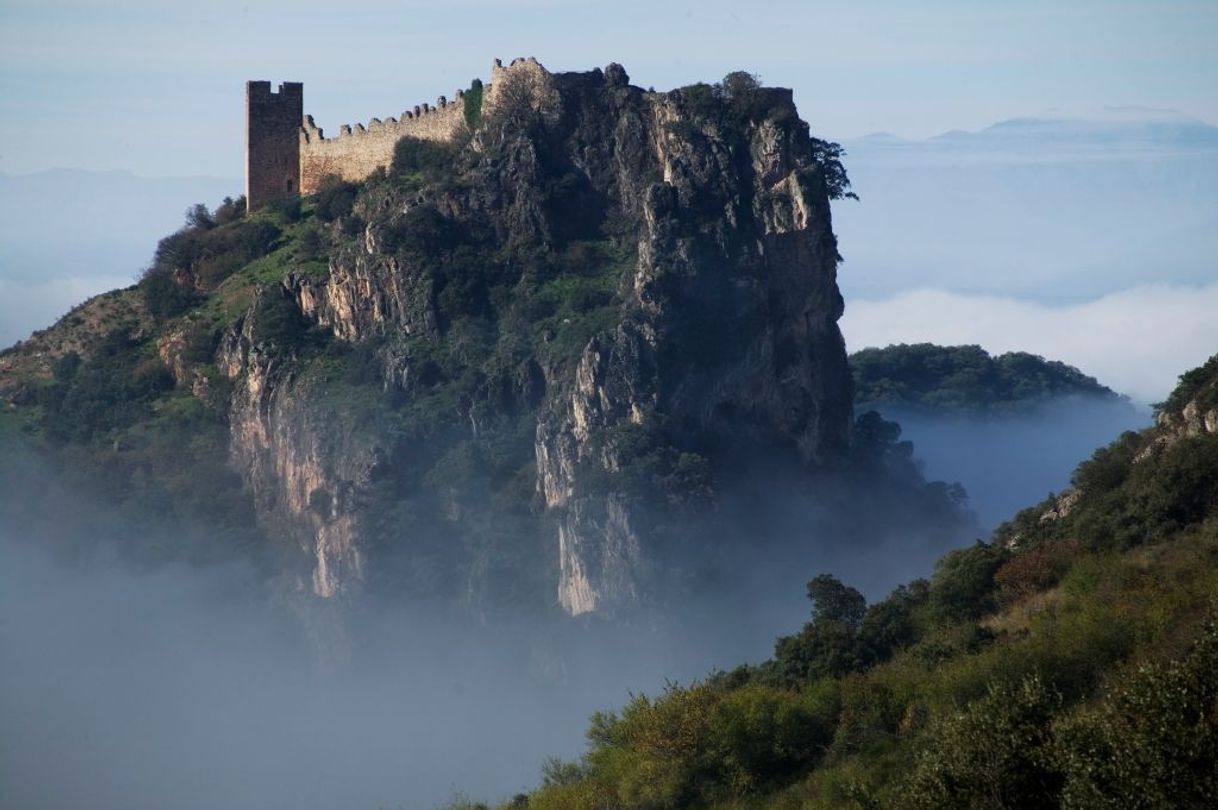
(1136, 342)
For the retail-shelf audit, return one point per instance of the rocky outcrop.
(305, 458)
(1195, 418)
(724, 339)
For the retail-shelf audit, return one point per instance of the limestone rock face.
(304, 460)
(724, 335)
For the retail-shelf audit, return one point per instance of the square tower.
(272, 141)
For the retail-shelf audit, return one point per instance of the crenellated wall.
(285, 156)
(357, 151)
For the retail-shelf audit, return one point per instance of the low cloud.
(1137, 341)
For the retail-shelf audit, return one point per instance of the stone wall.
(284, 156)
(358, 151)
(272, 142)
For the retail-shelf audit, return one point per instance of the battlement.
(311, 133)
(287, 153)
(359, 150)
(260, 91)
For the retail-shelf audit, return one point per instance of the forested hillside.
(1072, 661)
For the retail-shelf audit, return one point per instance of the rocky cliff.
(535, 360)
(718, 323)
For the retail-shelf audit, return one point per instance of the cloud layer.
(1137, 341)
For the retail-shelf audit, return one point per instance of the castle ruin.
(287, 154)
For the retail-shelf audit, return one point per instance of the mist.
(179, 688)
(133, 683)
(1007, 463)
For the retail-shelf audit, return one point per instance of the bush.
(335, 199)
(277, 319)
(209, 255)
(230, 210)
(1034, 570)
(163, 296)
(963, 585)
(198, 217)
(1152, 741)
(993, 754)
(287, 209)
(472, 104)
(426, 160)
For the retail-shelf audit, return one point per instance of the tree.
(834, 601)
(828, 156)
(197, 216)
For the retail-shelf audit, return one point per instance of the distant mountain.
(1053, 208)
(1123, 127)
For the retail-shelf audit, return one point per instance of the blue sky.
(157, 87)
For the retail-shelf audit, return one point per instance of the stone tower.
(272, 141)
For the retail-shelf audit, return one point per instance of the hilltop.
(966, 380)
(565, 355)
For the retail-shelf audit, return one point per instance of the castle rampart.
(356, 152)
(287, 153)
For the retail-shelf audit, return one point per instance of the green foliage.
(472, 104)
(335, 199)
(204, 254)
(1151, 741)
(287, 210)
(164, 296)
(698, 744)
(992, 755)
(828, 156)
(1124, 504)
(963, 584)
(1199, 384)
(230, 210)
(113, 390)
(964, 379)
(419, 162)
(834, 602)
(276, 319)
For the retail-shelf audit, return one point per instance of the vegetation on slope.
(1071, 662)
(965, 380)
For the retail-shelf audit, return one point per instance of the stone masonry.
(272, 141)
(286, 153)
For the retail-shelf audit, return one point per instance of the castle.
(286, 153)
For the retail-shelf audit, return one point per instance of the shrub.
(198, 217)
(1034, 570)
(230, 210)
(472, 104)
(427, 160)
(287, 209)
(335, 199)
(993, 754)
(1152, 741)
(277, 319)
(163, 296)
(963, 584)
